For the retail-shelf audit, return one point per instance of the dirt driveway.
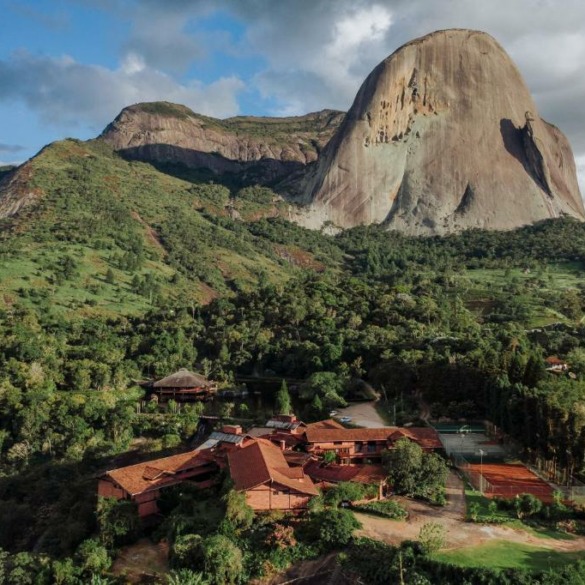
(458, 532)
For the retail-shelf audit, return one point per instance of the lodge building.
(277, 466)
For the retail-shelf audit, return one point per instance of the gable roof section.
(330, 423)
(153, 474)
(262, 462)
(330, 435)
(426, 437)
(333, 473)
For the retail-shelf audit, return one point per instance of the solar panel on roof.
(226, 437)
(278, 424)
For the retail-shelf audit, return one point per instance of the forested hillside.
(119, 272)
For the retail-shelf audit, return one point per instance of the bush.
(222, 560)
(527, 505)
(332, 529)
(385, 509)
(346, 491)
(431, 537)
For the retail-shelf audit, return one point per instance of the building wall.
(351, 449)
(147, 508)
(106, 489)
(277, 497)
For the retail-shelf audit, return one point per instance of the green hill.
(105, 235)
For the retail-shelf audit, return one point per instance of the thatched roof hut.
(183, 379)
(183, 386)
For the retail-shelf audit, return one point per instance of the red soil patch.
(299, 257)
(207, 293)
(151, 234)
(509, 480)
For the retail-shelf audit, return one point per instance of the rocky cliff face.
(256, 149)
(442, 136)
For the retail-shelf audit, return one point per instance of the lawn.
(473, 497)
(503, 554)
(509, 518)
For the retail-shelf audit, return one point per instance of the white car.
(345, 419)
(333, 413)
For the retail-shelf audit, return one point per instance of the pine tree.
(283, 403)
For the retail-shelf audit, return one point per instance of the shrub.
(345, 491)
(431, 537)
(385, 509)
(333, 528)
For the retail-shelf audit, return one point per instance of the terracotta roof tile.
(426, 437)
(149, 475)
(327, 435)
(261, 462)
(337, 473)
(330, 423)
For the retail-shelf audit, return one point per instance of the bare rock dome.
(443, 136)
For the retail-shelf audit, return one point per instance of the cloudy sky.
(67, 67)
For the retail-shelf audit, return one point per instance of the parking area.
(362, 414)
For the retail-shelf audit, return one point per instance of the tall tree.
(283, 402)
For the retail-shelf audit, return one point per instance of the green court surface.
(456, 428)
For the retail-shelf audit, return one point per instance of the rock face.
(256, 149)
(16, 192)
(443, 136)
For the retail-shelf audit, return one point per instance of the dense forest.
(105, 283)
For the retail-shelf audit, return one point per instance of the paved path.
(363, 414)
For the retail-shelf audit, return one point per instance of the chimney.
(287, 418)
(232, 429)
(282, 445)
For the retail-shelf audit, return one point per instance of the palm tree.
(186, 577)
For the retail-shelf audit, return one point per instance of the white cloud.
(65, 92)
(162, 41)
(312, 54)
(132, 63)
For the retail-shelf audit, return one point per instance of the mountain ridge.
(442, 136)
(254, 149)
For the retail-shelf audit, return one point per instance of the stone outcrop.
(16, 193)
(256, 149)
(443, 136)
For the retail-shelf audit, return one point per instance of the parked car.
(333, 413)
(345, 419)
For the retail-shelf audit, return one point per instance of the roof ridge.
(262, 443)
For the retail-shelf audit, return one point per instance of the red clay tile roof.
(149, 475)
(336, 473)
(261, 462)
(329, 435)
(426, 437)
(326, 424)
(297, 457)
(276, 437)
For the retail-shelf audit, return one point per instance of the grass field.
(555, 277)
(503, 554)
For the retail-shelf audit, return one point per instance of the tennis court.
(487, 465)
(507, 480)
